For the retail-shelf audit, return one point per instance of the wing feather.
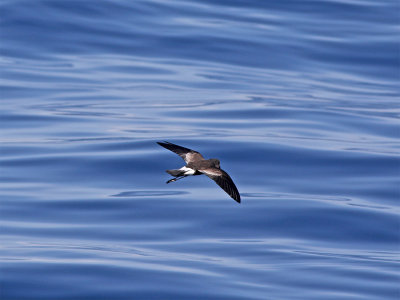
(188, 155)
(224, 181)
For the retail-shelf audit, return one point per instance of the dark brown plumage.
(196, 164)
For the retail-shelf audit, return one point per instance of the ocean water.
(298, 99)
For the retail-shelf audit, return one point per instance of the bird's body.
(196, 164)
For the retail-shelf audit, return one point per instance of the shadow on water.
(149, 193)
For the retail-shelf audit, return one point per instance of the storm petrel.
(196, 164)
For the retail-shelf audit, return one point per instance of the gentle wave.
(298, 99)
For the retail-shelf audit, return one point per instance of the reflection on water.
(299, 100)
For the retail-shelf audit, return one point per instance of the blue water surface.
(298, 99)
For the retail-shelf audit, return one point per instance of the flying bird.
(196, 164)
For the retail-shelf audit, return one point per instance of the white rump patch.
(188, 171)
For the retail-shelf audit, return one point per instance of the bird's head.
(216, 162)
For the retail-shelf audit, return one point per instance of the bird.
(196, 164)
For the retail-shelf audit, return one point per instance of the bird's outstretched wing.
(188, 155)
(223, 180)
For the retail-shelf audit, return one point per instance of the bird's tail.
(176, 173)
